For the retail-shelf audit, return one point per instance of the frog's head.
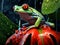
(24, 8)
(24, 11)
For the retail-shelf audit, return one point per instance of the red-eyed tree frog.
(25, 8)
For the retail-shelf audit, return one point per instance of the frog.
(25, 8)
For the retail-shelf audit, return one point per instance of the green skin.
(31, 10)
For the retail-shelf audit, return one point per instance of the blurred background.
(9, 19)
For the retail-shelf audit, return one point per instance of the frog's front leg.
(37, 23)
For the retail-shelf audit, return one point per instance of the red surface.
(42, 38)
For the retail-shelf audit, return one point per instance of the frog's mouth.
(27, 17)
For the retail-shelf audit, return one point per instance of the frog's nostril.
(17, 9)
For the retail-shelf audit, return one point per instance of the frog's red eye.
(25, 6)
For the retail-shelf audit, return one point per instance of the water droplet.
(56, 1)
(7, 23)
(46, 7)
(10, 26)
(40, 2)
(8, 33)
(1, 23)
(47, 0)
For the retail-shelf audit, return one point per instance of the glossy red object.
(25, 6)
(43, 36)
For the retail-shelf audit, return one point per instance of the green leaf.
(50, 6)
(6, 28)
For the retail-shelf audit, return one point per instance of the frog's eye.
(25, 6)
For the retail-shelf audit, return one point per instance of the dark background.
(6, 7)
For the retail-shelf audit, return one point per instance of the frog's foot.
(50, 24)
(31, 27)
